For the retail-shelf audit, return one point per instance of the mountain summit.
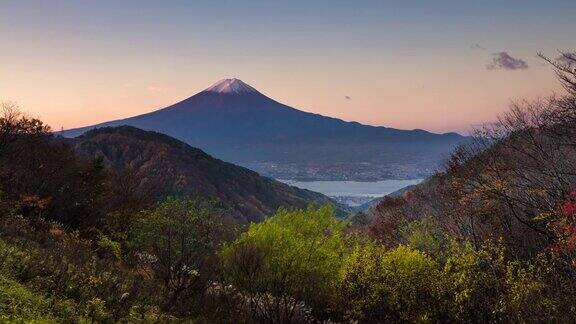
(235, 122)
(230, 86)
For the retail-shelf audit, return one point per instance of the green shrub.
(67, 269)
(424, 235)
(20, 304)
(109, 247)
(472, 282)
(288, 263)
(177, 242)
(539, 290)
(10, 255)
(389, 286)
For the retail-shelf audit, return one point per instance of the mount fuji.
(233, 121)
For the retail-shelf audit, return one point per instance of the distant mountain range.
(165, 166)
(235, 122)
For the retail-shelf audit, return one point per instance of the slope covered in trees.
(165, 166)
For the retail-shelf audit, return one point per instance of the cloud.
(477, 46)
(503, 61)
(347, 98)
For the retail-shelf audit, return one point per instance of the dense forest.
(159, 165)
(490, 238)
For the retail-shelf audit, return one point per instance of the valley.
(354, 193)
(346, 171)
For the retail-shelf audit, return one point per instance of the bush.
(177, 242)
(472, 282)
(20, 304)
(286, 267)
(66, 268)
(109, 247)
(539, 290)
(389, 286)
(426, 236)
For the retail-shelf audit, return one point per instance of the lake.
(356, 190)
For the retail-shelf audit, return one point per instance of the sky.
(436, 65)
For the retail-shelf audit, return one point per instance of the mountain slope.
(233, 121)
(374, 202)
(169, 166)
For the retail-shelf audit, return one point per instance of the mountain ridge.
(171, 167)
(237, 123)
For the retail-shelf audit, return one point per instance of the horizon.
(442, 67)
(217, 87)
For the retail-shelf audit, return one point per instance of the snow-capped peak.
(230, 86)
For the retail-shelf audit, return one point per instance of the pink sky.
(437, 98)
(406, 65)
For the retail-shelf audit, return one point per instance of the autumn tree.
(43, 178)
(15, 125)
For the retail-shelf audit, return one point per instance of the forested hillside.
(159, 165)
(513, 189)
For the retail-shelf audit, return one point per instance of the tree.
(177, 241)
(288, 262)
(472, 285)
(379, 286)
(14, 125)
(565, 68)
(43, 178)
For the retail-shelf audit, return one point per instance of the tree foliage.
(389, 286)
(177, 242)
(287, 261)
